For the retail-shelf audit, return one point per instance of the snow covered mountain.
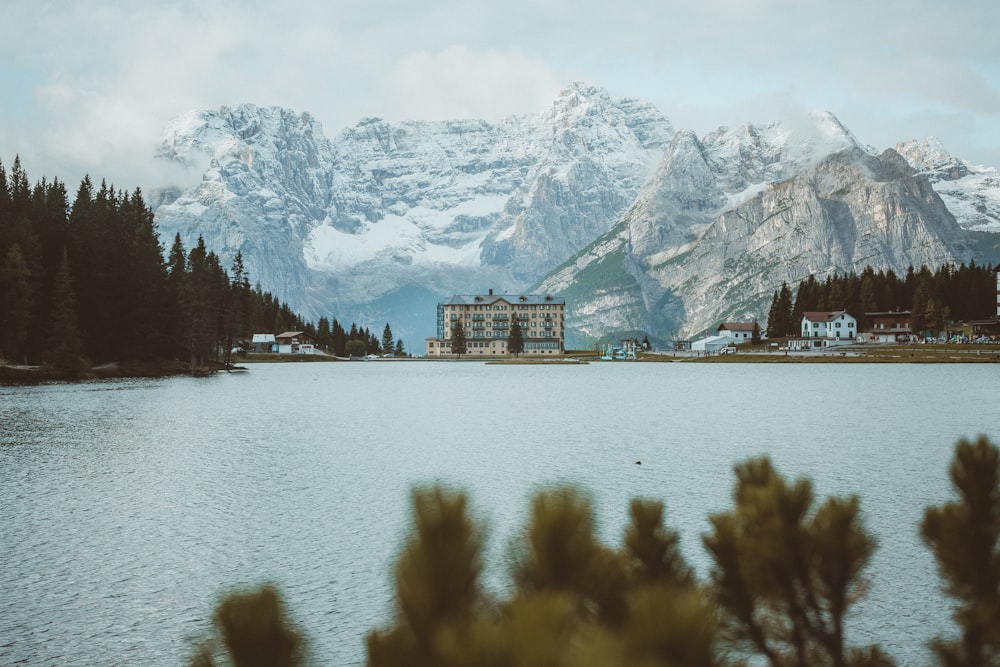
(849, 210)
(388, 216)
(596, 199)
(971, 193)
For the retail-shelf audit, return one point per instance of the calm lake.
(128, 507)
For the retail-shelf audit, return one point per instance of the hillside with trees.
(936, 299)
(87, 282)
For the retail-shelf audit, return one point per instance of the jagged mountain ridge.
(335, 225)
(848, 211)
(971, 192)
(381, 221)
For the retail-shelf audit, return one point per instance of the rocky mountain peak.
(930, 156)
(641, 227)
(971, 193)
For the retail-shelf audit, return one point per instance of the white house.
(826, 328)
(737, 332)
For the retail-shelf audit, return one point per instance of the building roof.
(514, 299)
(292, 334)
(887, 313)
(263, 338)
(736, 326)
(711, 341)
(823, 316)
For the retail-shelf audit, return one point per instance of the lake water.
(128, 507)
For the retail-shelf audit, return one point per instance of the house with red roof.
(739, 332)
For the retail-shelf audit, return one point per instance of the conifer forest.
(85, 281)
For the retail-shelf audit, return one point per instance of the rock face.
(597, 199)
(425, 208)
(677, 263)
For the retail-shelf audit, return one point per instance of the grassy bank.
(884, 354)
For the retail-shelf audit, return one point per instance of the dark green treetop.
(459, 345)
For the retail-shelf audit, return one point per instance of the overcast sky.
(86, 86)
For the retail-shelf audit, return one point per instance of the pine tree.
(139, 283)
(238, 312)
(17, 301)
(204, 290)
(437, 582)
(563, 556)
(339, 337)
(653, 549)
(868, 298)
(785, 575)
(965, 537)
(773, 317)
(789, 325)
(63, 347)
(515, 339)
(387, 340)
(400, 351)
(459, 345)
(323, 339)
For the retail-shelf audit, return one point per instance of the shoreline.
(14, 375)
(19, 375)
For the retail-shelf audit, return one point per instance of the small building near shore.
(262, 342)
(711, 344)
(888, 327)
(737, 332)
(825, 329)
(295, 342)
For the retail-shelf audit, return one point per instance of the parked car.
(984, 339)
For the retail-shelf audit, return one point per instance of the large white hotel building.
(486, 319)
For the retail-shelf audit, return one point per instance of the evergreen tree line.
(87, 282)
(785, 572)
(935, 299)
(331, 337)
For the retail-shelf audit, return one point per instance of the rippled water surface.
(128, 507)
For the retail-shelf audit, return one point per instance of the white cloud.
(460, 82)
(93, 82)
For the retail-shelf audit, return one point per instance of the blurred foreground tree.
(437, 583)
(254, 633)
(577, 602)
(965, 538)
(784, 575)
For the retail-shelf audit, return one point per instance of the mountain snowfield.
(596, 199)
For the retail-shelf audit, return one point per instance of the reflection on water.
(127, 507)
